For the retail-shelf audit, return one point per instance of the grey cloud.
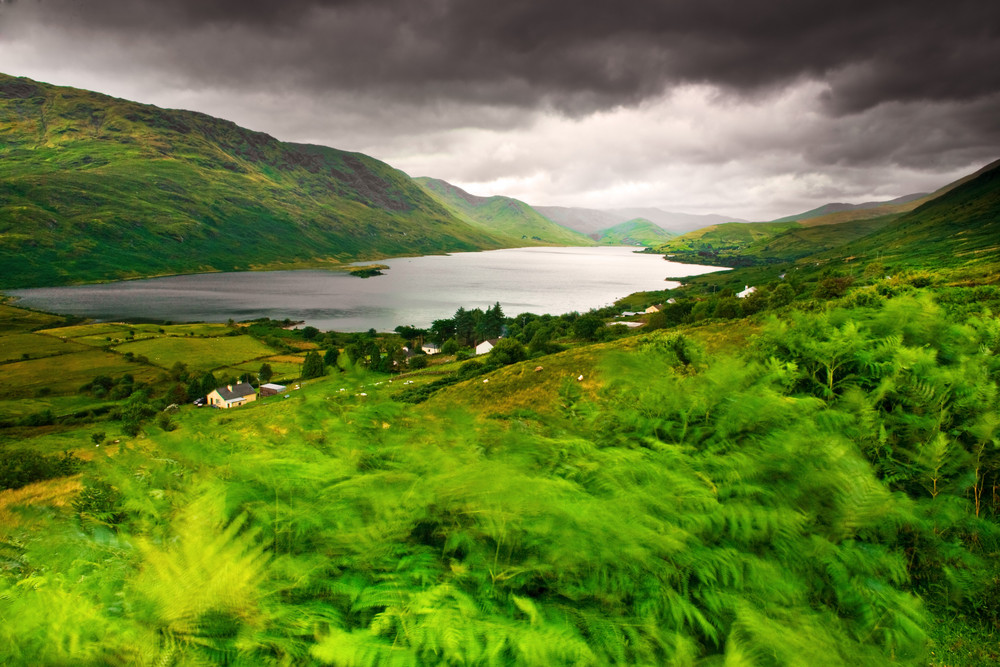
(575, 57)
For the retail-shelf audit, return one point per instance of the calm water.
(415, 290)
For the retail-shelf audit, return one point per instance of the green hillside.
(834, 213)
(637, 231)
(718, 244)
(799, 242)
(958, 228)
(956, 224)
(816, 495)
(503, 216)
(95, 188)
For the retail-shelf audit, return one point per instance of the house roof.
(275, 387)
(233, 391)
(492, 341)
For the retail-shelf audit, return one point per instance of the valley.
(791, 461)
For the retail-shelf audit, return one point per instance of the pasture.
(200, 354)
(66, 373)
(21, 346)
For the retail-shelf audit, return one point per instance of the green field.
(16, 408)
(198, 353)
(19, 319)
(15, 346)
(65, 374)
(112, 329)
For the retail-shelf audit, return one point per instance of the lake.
(414, 291)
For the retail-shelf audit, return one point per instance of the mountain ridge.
(97, 188)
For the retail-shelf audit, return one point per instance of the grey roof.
(238, 391)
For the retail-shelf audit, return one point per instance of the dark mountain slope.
(95, 188)
(959, 227)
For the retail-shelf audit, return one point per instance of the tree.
(442, 330)
(194, 389)
(491, 323)
(465, 326)
(208, 383)
(507, 351)
(265, 373)
(179, 371)
(586, 327)
(135, 410)
(310, 332)
(313, 366)
(782, 295)
(177, 394)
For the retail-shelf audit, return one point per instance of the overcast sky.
(752, 108)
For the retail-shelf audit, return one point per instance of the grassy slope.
(719, 243)
(958, 220)
(638, 231)
(801, 242)
(94, 188)
(502, 216)
(959, 228)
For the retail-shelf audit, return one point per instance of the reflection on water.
(415, 290)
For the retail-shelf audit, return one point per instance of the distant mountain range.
(827, 209)
(589, 220)
(511, 218)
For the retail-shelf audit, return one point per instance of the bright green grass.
(113, 338)
(65, 374)
(196, 329)
(198, 353)
(54, 440)
(14, 346)
(15, 408)
(80, 330)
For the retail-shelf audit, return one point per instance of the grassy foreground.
(824, 495)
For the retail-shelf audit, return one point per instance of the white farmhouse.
(486, 346)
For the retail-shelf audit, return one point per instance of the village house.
(430, 348)
(232, 395)
(655, 308)
(747, 291)
(486, 346)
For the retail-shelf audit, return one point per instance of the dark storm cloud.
(571, 55)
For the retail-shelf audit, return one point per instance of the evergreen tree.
(265, 373)
(313, 366)
(465, 326)
(209, 383)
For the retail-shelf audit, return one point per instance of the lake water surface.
(414, 291)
